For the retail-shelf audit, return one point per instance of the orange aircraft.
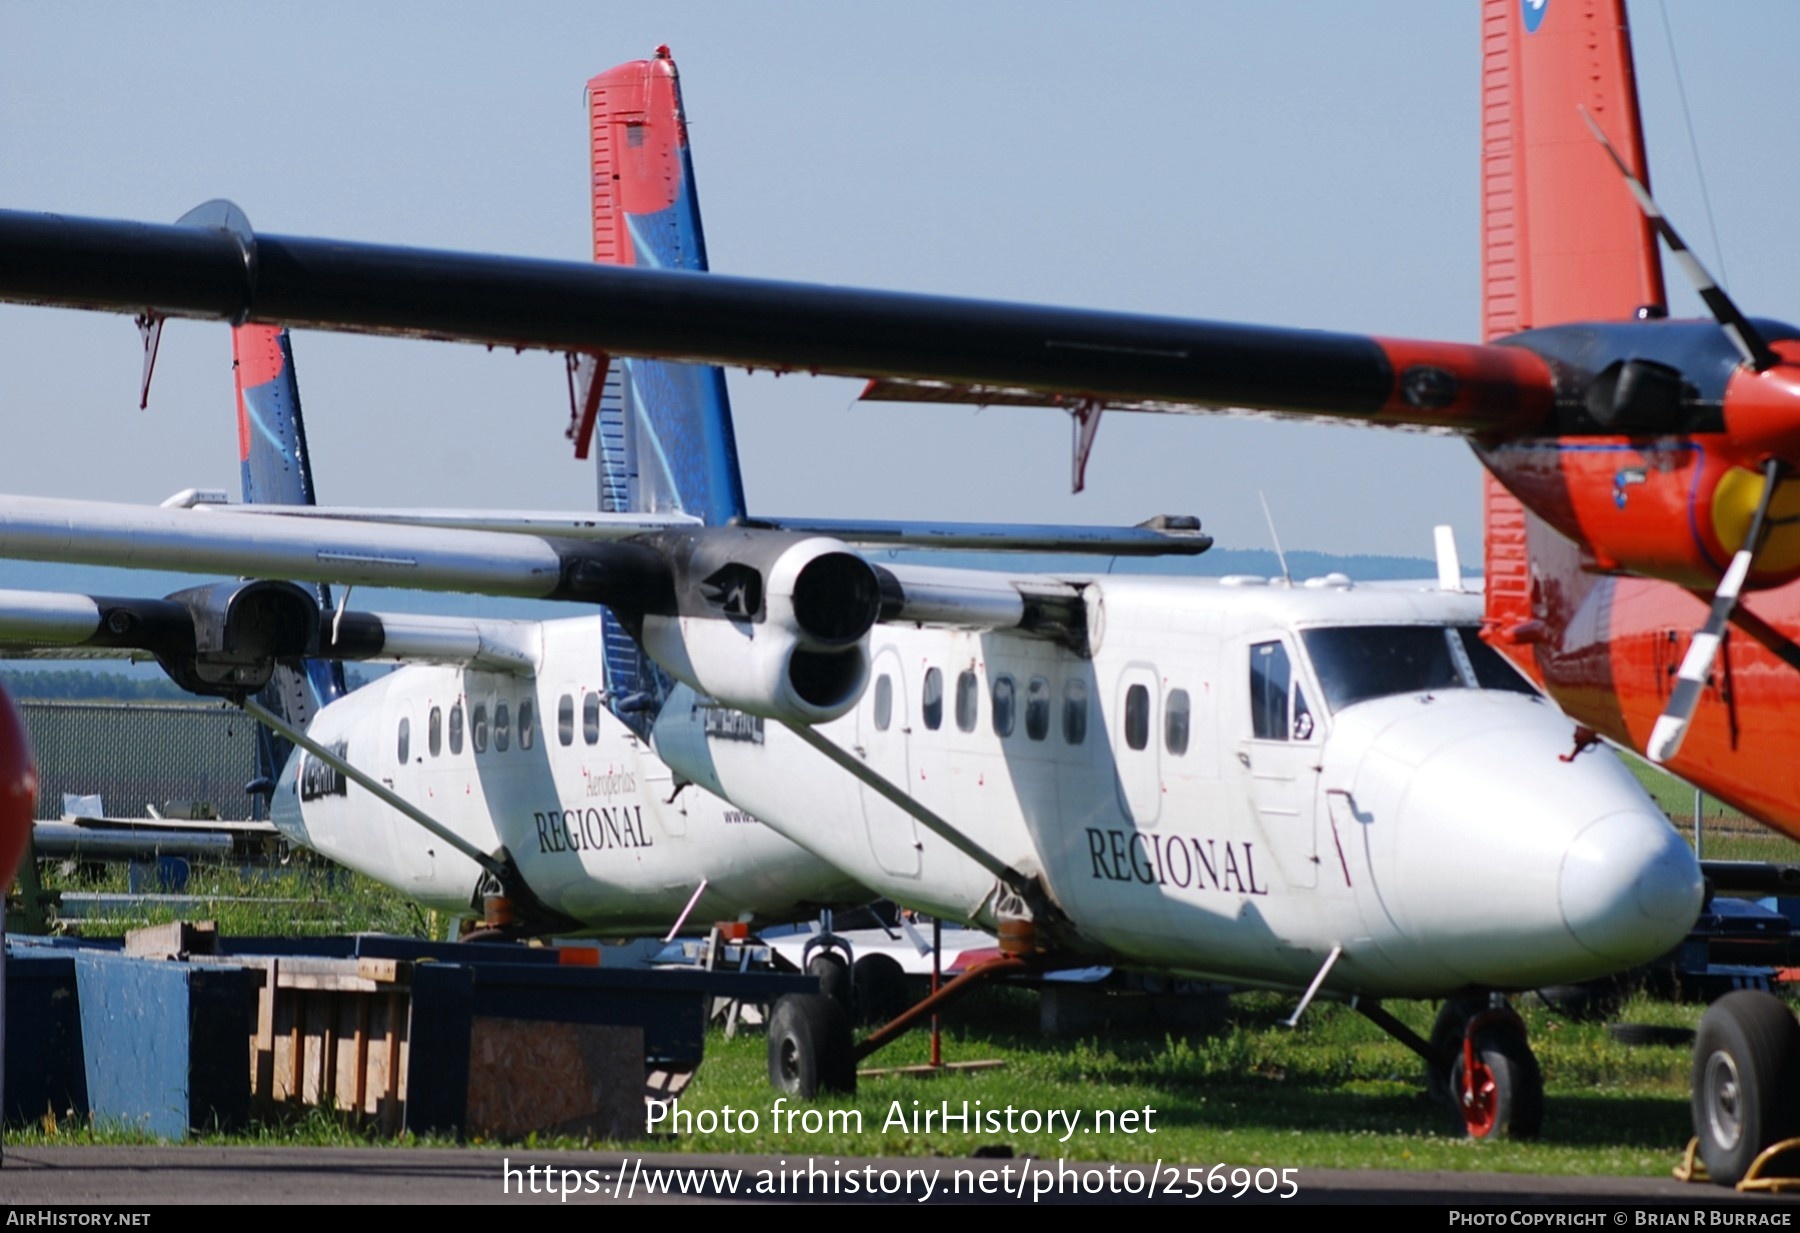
(1643, 505)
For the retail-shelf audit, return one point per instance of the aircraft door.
(1279, 761)
(401, 750)
(883, 728)
(1135, 739)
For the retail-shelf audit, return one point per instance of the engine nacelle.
(769, 623)
(223, 639)
(1653, 455)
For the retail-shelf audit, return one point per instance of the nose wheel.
(1485, 1071)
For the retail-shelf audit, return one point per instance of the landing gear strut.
(810, 1050)
(1479, 1063)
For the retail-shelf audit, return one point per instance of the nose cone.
(1626, 886)
(1497, 864)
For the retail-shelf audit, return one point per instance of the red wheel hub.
(1479, 1093)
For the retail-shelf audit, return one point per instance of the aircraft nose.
(1501, 865)
(1626, 886)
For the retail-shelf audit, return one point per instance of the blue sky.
(1292, 163)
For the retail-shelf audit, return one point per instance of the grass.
(1726, 834)
(305, 898)
(1335, 1094)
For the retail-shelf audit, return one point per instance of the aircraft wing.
(226, 272)
(1164, 535)
(67, 625)
(770, 621)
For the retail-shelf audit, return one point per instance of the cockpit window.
(1492, 671)
(1357, 662)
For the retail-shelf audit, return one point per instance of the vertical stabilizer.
(665, 434)
(1561, 238)
(663, 431)
(277, 471)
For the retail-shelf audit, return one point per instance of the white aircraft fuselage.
(1234, 780)
(1239, 779)
(533, 761)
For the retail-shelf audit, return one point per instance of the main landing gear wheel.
(879, 983)
(834, 978)
(1746, 1081)
(810, 1050)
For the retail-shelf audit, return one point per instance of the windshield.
(1357, 662)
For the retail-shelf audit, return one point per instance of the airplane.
(1629, 456)
(618, 849)
(608, 844)
(1273, 785)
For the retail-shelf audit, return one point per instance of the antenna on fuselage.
(1286, 577)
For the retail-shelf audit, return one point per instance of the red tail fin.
(1561, 238)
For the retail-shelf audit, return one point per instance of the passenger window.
(1269, 677)
(1004, 691)
(1137, 717)
(884, 702)
(1075, 712)
(565, 720)
(456, 726)
(1037, 708)
(478, 729)
(527, 726)
(968, 694)
(405, 750)
(590, 718)
(933, 699)
(434, 731)
(502, 728)
(1175, 722)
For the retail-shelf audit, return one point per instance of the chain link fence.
(137, 756)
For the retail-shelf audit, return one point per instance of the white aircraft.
(1333, 789)
(509, 720)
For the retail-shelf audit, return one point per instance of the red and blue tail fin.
(271, 436)
(664, 430)
(277, 471)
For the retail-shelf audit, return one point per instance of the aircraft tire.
(1446, 1037)
(1509, 1096)
(1746, 1081)
(810, 1050)
(879, 983)
(834, 979)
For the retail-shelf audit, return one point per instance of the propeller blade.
(1672, 725)
(1751, 345)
